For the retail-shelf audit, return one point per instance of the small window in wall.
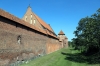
(19, 39)
(34, 21)
(25, 18)
(31, 15)
(31, 21)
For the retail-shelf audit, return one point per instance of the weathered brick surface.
(52, 45)
(30, 44)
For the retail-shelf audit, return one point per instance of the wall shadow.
(81, 58)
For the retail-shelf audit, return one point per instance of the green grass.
(67, 58)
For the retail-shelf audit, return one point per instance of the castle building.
(63, 39)
(28, 38)
(33, 19)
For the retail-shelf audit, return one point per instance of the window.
(31, 15)
(25, 18)
(31, 19)
(19, 39)
(34, 21)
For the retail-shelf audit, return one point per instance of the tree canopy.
(88, 33)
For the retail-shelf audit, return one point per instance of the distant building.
(63, 39)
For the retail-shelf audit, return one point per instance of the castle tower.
(63, 39)
(61, 36)
(66, 42)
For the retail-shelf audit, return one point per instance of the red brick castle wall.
(20, 42)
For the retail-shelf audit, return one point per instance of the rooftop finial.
(29, 5)
(61, 33)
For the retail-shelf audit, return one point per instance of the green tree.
(88, 33)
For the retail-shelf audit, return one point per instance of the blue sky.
(60, 14)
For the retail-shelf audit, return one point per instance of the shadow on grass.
(80, 58)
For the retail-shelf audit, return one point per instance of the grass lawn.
(63, 57)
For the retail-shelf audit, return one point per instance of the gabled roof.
(22, 22)
(40, 20)
(61, 33)
(43, 23)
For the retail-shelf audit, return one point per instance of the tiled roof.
(61, 33)
(20, 21)
(43, 23)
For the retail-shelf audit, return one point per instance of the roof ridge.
(61, 33)
(16, 19)
(9, 16)
(43, 23)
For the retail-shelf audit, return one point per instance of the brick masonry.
(19, 43)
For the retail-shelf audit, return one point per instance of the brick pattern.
(52, 45)
(22, 22)
(30, 16)
(32, 43)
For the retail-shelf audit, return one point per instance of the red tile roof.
(61, 33)
(43, 23)
(20, 21)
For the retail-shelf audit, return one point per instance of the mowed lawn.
(59, 58)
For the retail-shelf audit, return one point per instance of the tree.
(88, 33)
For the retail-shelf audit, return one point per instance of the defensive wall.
(21, 41)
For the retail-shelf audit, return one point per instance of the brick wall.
(20, 43)
(52, 45)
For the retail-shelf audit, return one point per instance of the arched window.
(19, 39)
